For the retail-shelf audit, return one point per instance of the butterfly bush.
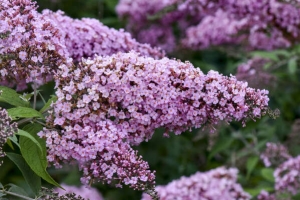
(109, 103)
(86, 37)
(254, 24)
(287, 176)
(30, 47)
(264, 195)
(274, 154)
(215, 184)
(253, 72)
(83, 191)
(7, 129)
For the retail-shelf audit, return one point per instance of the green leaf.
(31, 178)
(17, 190)
(30, 137)
(34, 157)
(292, 65)
(222, 144)
(1, 194)
(26, 97)
(250, 165)
(12, 97)
(53, 99)
(282, 52)
(23, 112)
(256, 191)
(111, 4)
(264, 54)
(8, 141)
(14, 139)
(267, 173)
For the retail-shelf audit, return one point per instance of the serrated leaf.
(23, 112)
(53, 99)
(250, 165)
(11, 97)
(23, 133)
(222, 144)
(30, 177)
(36, 159)
(267, 173)
(292, 65)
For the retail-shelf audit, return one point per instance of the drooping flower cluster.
(215, 184)
(254, 24)
(30, 47)
(111, 102)
(83, 191)
(86, 37)
(253, 72)
(274, 154)
(7, 129)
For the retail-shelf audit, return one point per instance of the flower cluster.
(83, 191)
(264, 195)
(274, 154)
(215, 184)
(86, 37)
(253, 72)
(7, 129)
(107, 104)
(256, 24)
(30, 47)
(287, 176)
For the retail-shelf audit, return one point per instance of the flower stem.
(16, 195)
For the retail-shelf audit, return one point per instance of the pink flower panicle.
(287, 176)
(83, 191)
(274, 154)
(111, 102)
(264, 195)
(7, 129)
(87, 37)
(215, 184)
(253, 72)
(255, 24)
(30, 47)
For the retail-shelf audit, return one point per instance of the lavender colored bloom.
(87, 37)
(252, 24)
(287, 176)
(215, 184)
(253, 72)
(264, 195)
(83, 191)
(274, 154)
(7, 129)
(107, 104)
(30, 47)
